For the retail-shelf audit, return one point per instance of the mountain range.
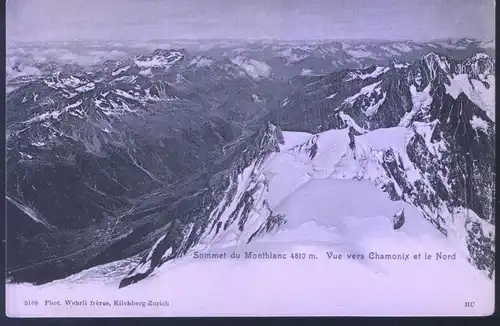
(152, 155)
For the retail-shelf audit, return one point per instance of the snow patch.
(38, 143)
(401, 65)
(367, 90)
(377, 72)
(85, 88)
(256, 98)
(120, 70)
(373, 107)
(420, 102)
(478, 123)
(146, 72)
(475, 90)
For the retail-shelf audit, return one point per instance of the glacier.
(331, 206)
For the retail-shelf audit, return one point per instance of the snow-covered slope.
(324, 220)
(412, 140)
(440, 107)
(298, 169)
(282, 188)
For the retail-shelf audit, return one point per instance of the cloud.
(85, 56)
(256, 69)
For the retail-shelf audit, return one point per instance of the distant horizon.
(248, 40)
(280, 20)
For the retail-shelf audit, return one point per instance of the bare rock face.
(398, 219)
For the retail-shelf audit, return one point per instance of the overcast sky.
(42, 20)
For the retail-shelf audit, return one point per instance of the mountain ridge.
(174, 150)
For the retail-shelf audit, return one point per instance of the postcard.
(250, 158)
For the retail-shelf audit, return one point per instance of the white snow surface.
(333, 207)
(306, 72)
(373, 89)
(401, 65)
(421, 102)
(120, 70)
(374, 106)
(478, 123)
(475, 90)
(365, 91)
(374, 74)
(257, 99)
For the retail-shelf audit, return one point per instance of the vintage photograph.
(171, 158)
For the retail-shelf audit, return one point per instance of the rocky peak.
(168, 52)
(160, 58)
(265, 141)
(435, 67)
(478, 66)
(398, 219)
